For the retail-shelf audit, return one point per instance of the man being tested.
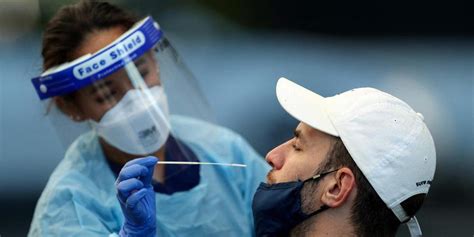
(360, 164)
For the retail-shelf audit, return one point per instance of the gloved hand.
(137, 198)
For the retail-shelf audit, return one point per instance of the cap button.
(421, 116)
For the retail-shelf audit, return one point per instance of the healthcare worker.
(116, 88)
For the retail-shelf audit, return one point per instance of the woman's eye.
(106, 97)
(144, 73)
(99, 100)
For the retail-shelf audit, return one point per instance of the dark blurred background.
(420, 51)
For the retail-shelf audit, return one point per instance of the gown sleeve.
(66, 210)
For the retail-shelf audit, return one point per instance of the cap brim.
(304, 105)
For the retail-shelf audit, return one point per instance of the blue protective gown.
(80, 197)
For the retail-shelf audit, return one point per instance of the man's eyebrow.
(297, 133)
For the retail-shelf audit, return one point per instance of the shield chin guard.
(127, 93)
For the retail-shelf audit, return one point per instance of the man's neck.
(328, 224)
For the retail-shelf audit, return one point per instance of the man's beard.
(307, 205)
(270, 178)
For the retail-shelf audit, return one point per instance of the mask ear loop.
(315, 177)
(321, 209)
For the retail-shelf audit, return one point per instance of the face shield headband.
(72, 76)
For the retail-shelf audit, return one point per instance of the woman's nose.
(276, 157)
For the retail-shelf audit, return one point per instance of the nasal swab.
(199, 163)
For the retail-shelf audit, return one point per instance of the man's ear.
(338, 188)
(69, 108)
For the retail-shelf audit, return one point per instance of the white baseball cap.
(386, 138)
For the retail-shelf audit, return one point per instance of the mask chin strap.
(412, 223)
(321, 209)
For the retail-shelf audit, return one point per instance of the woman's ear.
(69, 108)
(338, 188)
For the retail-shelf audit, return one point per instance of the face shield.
(125, 93)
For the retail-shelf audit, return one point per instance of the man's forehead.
(307, 132)
(304, 129)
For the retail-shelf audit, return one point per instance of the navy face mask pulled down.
(277, 207)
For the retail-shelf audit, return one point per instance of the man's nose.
(276, 157)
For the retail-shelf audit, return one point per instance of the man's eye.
(296, 148)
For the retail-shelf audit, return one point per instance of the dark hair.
(70, 26)
(370, 215)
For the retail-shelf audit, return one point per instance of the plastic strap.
(400, 213)
(414, 227)
(412, 222)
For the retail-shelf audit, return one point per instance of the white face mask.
(138, 124)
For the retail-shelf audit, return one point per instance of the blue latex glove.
(137, 198)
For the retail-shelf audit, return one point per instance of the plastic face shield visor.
(120, 91)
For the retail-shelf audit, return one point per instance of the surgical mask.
(277, 207)
(138, 124)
